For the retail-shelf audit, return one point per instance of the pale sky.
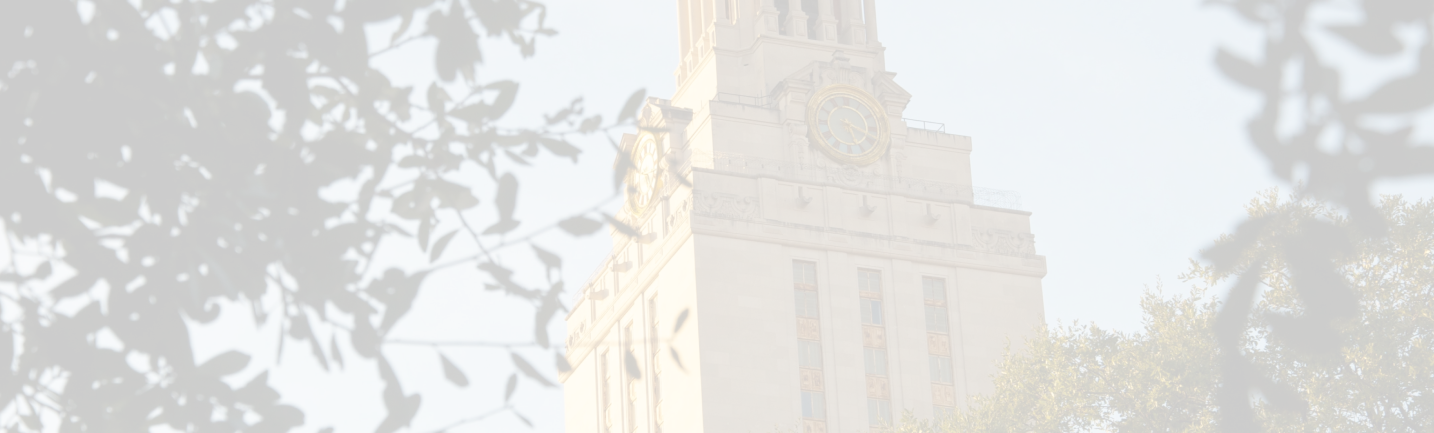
(1107, 116)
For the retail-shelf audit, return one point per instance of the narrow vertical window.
(873, 341)
(868, 280)
(878, 412)
(871, 311)
(655, 362)
(938, 342)
(806, 303)
(812, 381)
(605, 391)
(940, 369)
(875, 361)
(937, 319)
(804, 275)
(814, 405)
(809, 354)
(630, 403)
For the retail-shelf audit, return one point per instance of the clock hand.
(848, 125)
(865, 132)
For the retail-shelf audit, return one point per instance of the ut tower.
(802, 257)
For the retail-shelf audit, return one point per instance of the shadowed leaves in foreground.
(168, 161)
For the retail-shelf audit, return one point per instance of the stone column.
(853, 31)
(826, 21)
(796, 20)
(767, 18)
(871, 22)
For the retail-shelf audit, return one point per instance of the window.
(605, 391)
(940, 369)
(629, 363)
(937, 320)
(814, 405)
(871, 311)
(875, 361)
(804, 273)
(806, 303)
(878, 412)
(937, 316)
(944, 412)
(868, 280)
(934, 289)
(809, 354)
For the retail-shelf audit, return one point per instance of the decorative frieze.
(1004, 241)
(873, 336)
(938, 344)
(878, 387)
(723, 205)
(812, 380)
(809, 328)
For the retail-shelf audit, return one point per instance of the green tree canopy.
(1165, 377)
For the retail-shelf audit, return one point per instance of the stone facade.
(772, 286)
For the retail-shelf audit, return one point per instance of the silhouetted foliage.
(165, 159)
(1334, 147)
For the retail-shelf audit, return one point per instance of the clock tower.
(802, 257)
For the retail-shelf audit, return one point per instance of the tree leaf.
(676, 359)
(474, 114)
(1240, 70)
(439, 246)
(630, 364)
(452, 373)
(224, 364)
(681, 320)
(76, 285)
(522, 418)
(510, 387)
(437, 99)
(562, 363)
(364, 338)
(412, 161)
(402, 26)
(622, 227)
(1402, 95)
(629, 109)
(579, 226)
(257, 392)
(1371, 38)
(507, 93)
(506, 200)
(43, 271)
(334, 350)
(425, 229)
(528, 370)
(318, 351)
(550, 260)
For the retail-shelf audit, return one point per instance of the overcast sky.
(1107, 116)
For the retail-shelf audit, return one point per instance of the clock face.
(644, 181)
(848, 125)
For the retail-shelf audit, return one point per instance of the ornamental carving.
(1004, 241)
(722, 205)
